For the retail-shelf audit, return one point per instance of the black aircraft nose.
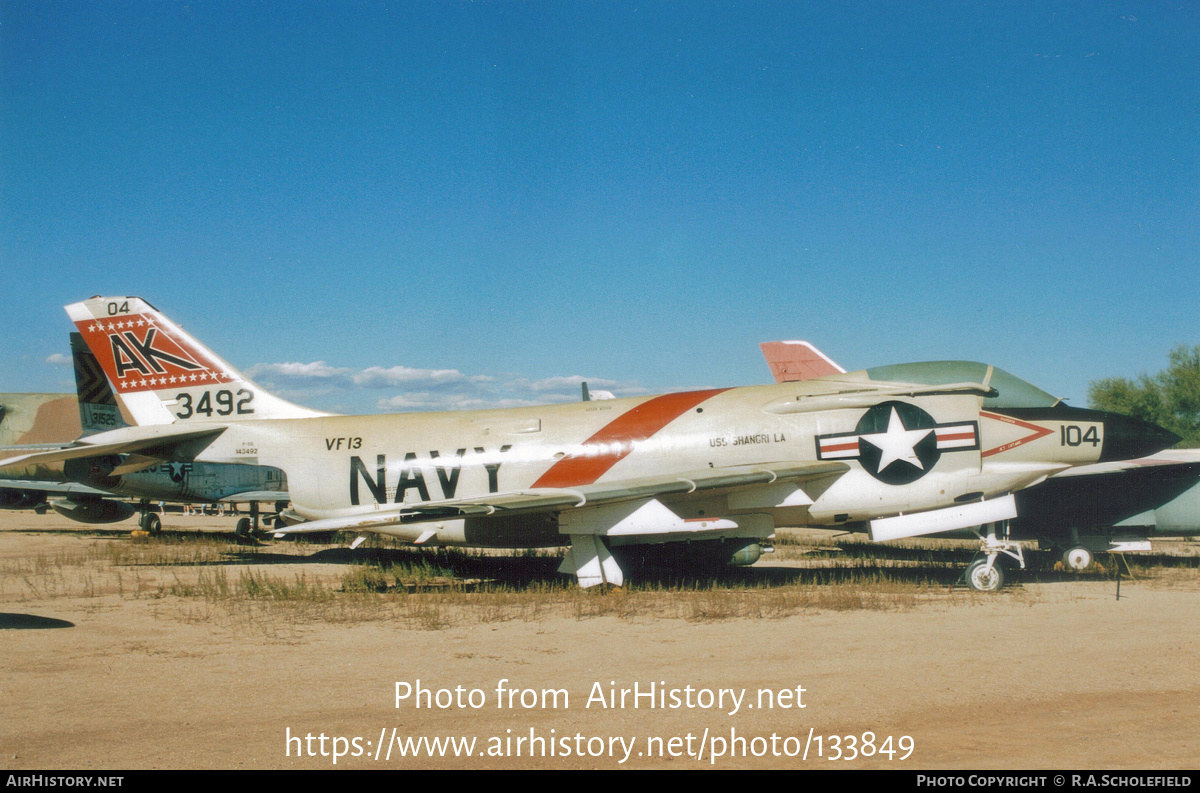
(1127, 438)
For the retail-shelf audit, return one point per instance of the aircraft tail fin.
(164, 375)
(98, 408)
(797, 360)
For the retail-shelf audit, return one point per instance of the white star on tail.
(897, 443)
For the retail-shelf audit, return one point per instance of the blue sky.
(376, 206)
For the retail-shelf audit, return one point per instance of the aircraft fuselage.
(905, 455)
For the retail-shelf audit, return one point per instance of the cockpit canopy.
(1013, 392)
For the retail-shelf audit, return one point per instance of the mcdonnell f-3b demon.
(903, 450)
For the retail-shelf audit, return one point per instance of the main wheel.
(983, 578)
(243, 528)
(1077, 558)
(153, 523)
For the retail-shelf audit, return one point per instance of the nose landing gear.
(985, 574)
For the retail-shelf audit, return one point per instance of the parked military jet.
(1104, 507)
(902, 450)
(89, 489)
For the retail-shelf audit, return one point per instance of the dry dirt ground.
(120, 654)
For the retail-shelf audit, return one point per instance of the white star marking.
(897, 443)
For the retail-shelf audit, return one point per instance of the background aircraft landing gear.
(1078, 558)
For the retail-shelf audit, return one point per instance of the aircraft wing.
(1172, 457)
(560, 499)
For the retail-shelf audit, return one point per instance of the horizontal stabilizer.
(151, 444)
(257, 495)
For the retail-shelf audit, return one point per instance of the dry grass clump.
(282, 588)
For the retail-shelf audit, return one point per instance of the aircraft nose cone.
(1127, 438)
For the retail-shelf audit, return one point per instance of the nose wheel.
(985, 574)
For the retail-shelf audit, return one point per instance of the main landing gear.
(248, 527)
(148, 521)
(986, 574)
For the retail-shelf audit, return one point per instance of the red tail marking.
(150, 357)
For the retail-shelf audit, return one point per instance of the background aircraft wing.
(559, 499)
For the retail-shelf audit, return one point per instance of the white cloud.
(395, 375)
(59, 359)
(316, 369)
(417, 401)
(319, 384)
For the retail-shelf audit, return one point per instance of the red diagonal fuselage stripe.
(615, 440)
